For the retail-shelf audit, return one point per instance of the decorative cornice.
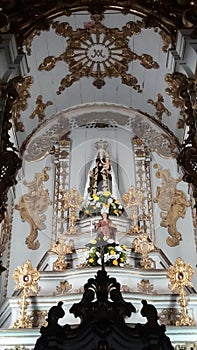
(78, 116)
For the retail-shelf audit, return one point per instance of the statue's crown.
(101, 144)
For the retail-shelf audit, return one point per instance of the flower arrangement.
(102, 202)
(114, 254)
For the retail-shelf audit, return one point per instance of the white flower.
(86, 255)
(121, 264)
(110, 200)
(110, 241)
(98, 204)
(99, 261)
(106, 257)
(118, 248)
(104, 210)
(114, 256)
(98, 254)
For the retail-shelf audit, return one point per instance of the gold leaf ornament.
(26, 277)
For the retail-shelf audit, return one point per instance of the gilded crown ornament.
(61, 249)
(133, 198)
(180, 275)
(26, 278)
(144, 246)
(71, 200)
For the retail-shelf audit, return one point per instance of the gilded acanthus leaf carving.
(172, 202)
(28, 41)
(144, 286)
(98, 52)
(22, 86)
(32, 207)
(179, 85)
(167, 40)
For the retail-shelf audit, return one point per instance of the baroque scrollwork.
(38, 318)
(167, 40)
(186, 346)
(32, 207)
(179, 85)
(169, 316)
(28, 40)
(22, 86)
(172, 202)
(43, 145)
(153, 139)
(63, 288)
(97, 51)
(144, 286)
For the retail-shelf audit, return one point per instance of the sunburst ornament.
(26, 278)
(98, 52)
(180, 275)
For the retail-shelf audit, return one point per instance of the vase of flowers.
(102, 202)
(110, 251)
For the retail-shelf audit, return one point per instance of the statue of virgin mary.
(101, 192)
(100, 176)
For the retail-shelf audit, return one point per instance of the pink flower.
(88, 25)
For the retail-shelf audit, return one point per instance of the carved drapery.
(61, 160)
(33, 205)
(172, 202)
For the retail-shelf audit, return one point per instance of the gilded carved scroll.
(172, 202)
(22, 86)
(32, 207)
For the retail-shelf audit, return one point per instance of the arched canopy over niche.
(106, 116)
